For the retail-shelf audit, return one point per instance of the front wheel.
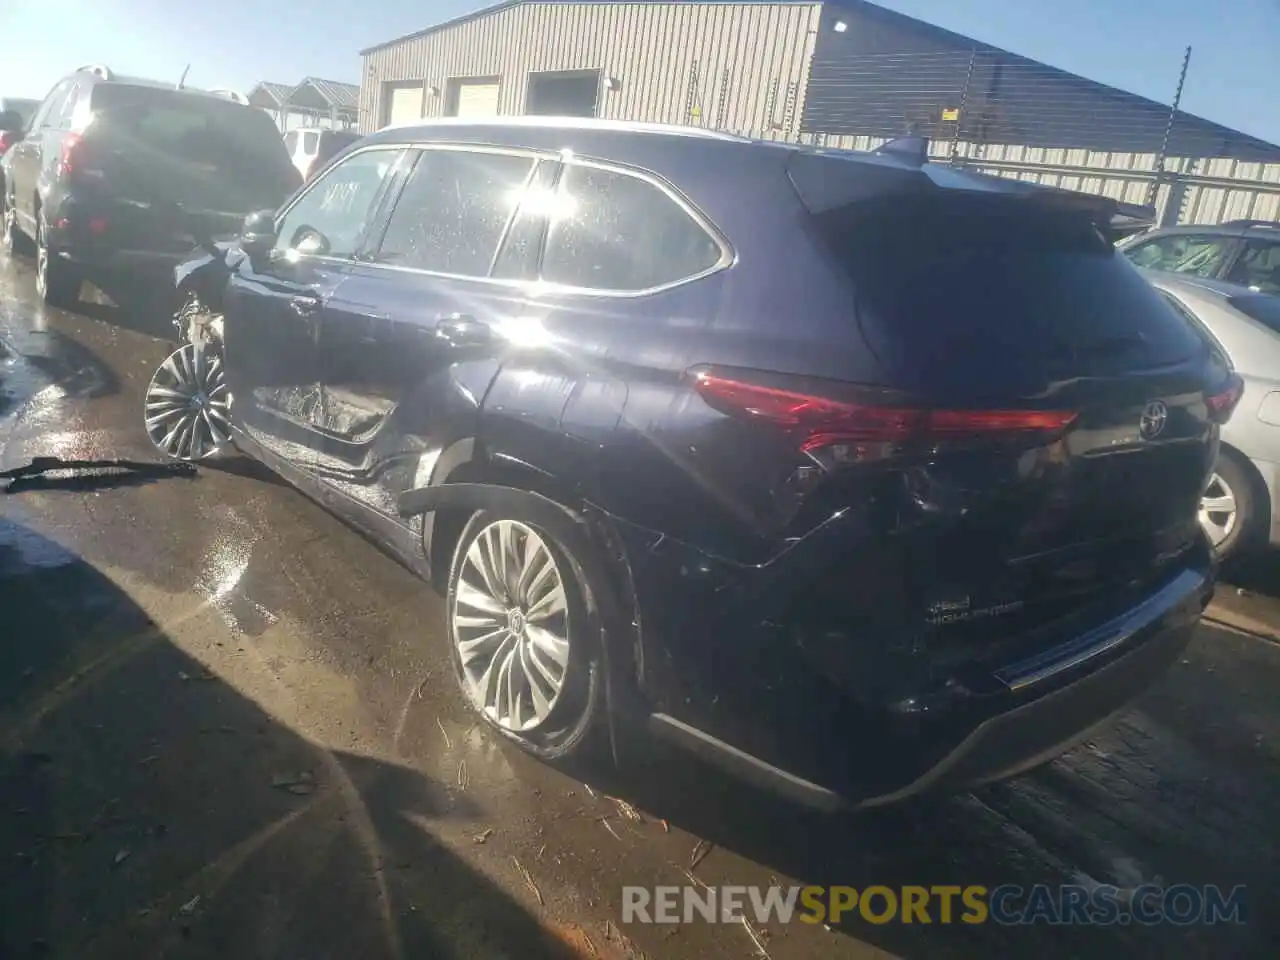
(188, 404)
(524, 637)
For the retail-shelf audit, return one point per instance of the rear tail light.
(1223, 403)
(7, 140)
(72, 155)
(847, 423)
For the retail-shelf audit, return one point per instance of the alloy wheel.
(510, 625)
(1218, 510)
(42, 261)
(188, 404)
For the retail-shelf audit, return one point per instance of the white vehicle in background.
(1240, 510)
(312, 147)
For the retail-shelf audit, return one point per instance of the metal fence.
(1013, 117)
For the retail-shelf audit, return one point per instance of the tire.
(11, 236)
(1233, 528)
(57, 281)
(567, 727)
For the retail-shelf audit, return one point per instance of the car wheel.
(1228, 514)
(524, 636)
(15, 242)
(57, 281)
(188, 405)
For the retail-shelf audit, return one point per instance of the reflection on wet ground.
(229, 729)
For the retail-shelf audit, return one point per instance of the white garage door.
(406, 104)
(477, 98)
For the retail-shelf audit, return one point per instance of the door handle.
(461, 329)
(305, 306)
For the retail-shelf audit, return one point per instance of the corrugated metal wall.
(745, 68)
(1201, 190)
(738, 67)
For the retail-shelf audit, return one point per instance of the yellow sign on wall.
(950, 113)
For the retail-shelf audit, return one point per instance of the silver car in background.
(1241, 506)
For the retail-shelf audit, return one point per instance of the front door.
(413, 338)
(276, 304)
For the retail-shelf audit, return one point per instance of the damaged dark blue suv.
(857, 474)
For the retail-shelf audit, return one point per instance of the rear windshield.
(237, 144)
(995, 293)
(291, 142)
(310, 142)
(1265, 309)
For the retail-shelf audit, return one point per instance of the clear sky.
(1133, 44)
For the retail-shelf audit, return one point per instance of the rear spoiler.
(828, 180)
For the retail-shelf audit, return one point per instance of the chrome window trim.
(536, 288)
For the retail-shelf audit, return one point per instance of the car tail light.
(1223, 403)
(72, 154)
(7, 140)
(854, 424)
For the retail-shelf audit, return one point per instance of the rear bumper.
(91, 235)
(791, 724)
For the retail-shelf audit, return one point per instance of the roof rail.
(233, 95)
(1244, 224)
(99, 70)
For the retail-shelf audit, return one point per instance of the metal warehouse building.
(843, 74)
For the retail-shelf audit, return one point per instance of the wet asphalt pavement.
(229, 729)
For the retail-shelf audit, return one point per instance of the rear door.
(275, 307)
(413, 337)
(169, 156)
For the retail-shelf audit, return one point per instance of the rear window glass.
(224, 137)
(310, 141)
(1264, 309)
(291, 142)
(989, 292)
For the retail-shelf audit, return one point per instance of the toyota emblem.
(1154, 416)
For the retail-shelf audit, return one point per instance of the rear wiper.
(39, 466)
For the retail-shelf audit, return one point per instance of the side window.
(51, 108)
(1258, 266)
(1199, 255)
(619, 232)
(452, 213)
(62, 118)
(331, 217)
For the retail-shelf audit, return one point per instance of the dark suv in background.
(118, 172)
(860, 475)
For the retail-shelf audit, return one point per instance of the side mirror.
(258, 234)
(11, 123)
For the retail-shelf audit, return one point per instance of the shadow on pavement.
(142, 303)
(148, 809)
(35, 360)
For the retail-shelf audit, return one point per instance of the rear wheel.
(523, 636)
(1229, 512)
(57, 281)
(14, 240)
